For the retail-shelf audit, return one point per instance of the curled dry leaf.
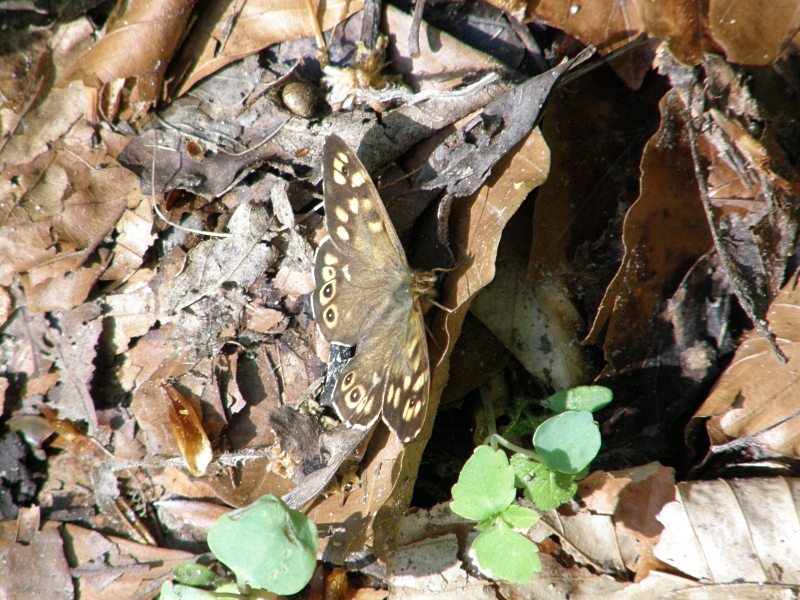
(230, 31)
(138, 45)
(756, 396)
(664, 233)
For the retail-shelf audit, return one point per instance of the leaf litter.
(656, 214)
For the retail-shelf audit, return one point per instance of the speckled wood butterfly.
(367, 296)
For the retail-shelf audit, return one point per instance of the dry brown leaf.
(756, 397)
(229, 31)
(596, 130)
(632, 498)
(664, 233)
(240, 258)
(443, 60)
(131, 313)
(112, 567)
(734, 531)
(55, 217)
(536, 321)
(34, 567)
(74, 340)
(617, 529)
(752, 33)
(136, 49)
(133, 238)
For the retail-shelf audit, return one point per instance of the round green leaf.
(568, 442)
(507, 554)
(485, 485)
(267, 545)
(585, 397)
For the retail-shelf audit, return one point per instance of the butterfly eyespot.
(327, 291)
(330, 316)
(348, 379)
(355, 395)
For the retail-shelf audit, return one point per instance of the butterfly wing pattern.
(367, 296)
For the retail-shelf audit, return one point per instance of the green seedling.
(564, 446)
(485, 492)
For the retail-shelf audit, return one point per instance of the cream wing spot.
(342, 234)
(375, 226)
(346, 272)
(328, 273)
(343, 158)
(366, 204)
(339, 178)
(411, 410)
(341, 214)
(358, 179)
(330, 259)
(406, 382)
(352, 204)
(419, 383)
(396, 399)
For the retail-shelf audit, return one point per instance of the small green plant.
(564, 445)
(267, 546)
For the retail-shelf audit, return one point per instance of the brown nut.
(299, 98)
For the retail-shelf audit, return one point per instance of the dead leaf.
(112, 567)
(661, 242)
(228, 32)
(239, 258)
(74, 338)
(749, 34)
(465, 159)
(755, 399)
(36, 568)
(536, 322)
(727, 531)
(136, 50)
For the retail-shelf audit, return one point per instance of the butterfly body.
(367, 296)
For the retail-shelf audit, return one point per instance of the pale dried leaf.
(131, 314)
(239, 258)
(756, 396)
(137, 47)
(230, 31)
(734, 531)
(37, 568)
(74, 339)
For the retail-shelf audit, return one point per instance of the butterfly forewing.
(364, 298)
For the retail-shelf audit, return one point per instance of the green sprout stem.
(496, 439)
